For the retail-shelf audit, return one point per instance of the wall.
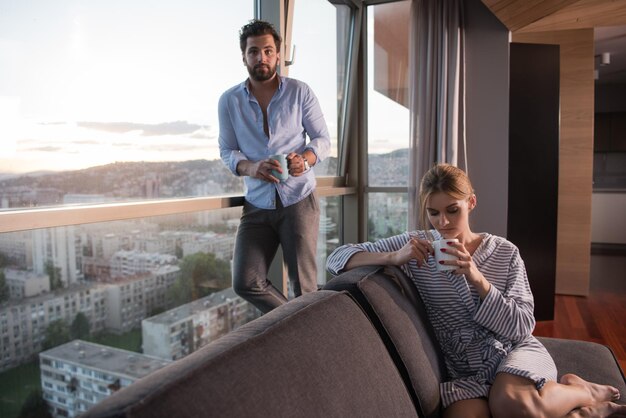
(487, 115)
(487, 133)
(608, 218)
(610, 98)
(575, 155)
(608, 208)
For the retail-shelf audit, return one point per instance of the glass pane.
(108, 101)
(387, 215)
(321, 54)
(387, 94)
(158, 287)
(328, 239)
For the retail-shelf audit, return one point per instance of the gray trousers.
(260, 232)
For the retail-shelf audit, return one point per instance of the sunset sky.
(86, 83)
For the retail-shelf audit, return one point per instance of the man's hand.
(296, 165)
(261, 170)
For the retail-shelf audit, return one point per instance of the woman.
(482, 312)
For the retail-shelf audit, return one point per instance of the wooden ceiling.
(548, 15)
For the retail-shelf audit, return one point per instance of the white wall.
(487, 115)
(608, 218)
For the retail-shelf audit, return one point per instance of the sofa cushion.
(392, 302)
(592, 361)
(318, 355)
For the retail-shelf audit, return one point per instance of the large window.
(387, 118)
(112, 103)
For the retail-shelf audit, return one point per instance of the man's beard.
(258, 72)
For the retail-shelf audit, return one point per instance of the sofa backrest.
(317, 356)
(391, 300)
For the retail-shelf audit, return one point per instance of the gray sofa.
(359, 347)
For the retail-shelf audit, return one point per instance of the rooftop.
(107, 359)
(185, 311)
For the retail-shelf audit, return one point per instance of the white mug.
(440, 255)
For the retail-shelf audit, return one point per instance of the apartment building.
(17, 248)
(116, 307)
(129, 263)
(180, 331)
(133, 298)
(24, 284)
(59, 247)
(77, 375)
(219, 244)
(23, 324)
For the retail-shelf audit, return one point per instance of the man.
(266, 115)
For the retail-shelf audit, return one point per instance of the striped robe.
(478, 338)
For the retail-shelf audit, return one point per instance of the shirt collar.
(247, 80)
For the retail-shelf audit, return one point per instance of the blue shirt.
(293, 113)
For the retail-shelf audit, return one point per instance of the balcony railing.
(26, 219)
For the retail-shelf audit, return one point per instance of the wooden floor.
(599, 317)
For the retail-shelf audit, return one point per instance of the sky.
(85, 83)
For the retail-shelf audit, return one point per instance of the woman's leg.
(468, 408)
(513, 395)
(603, 409)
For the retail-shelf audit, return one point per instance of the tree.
(80, 328)
(54, 274)
(35, 406)
(57, 333)
(156, 311)
(371, 228)
(4, 289)
(200, 272)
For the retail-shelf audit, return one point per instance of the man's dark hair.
(258, 28)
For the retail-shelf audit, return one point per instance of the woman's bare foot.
(599, 393)
(599, 410)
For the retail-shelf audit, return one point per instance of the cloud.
(86, 142)
(203, 133)
(46, 149)
(180, 127)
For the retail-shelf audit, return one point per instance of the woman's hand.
(467, 267)
(417, 249)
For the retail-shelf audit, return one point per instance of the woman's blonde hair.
(444, 178)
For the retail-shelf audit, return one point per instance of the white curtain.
(436, 96)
